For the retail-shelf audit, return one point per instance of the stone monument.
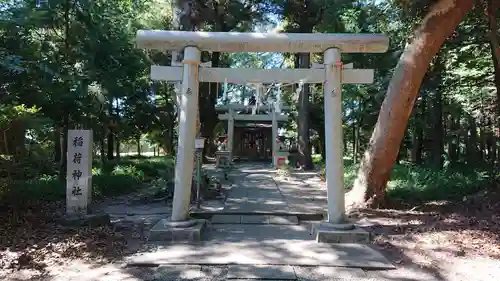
(79, 172)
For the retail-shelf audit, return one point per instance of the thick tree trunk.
(376, 166)
(303, 119)
(111, 147)
(207, 109)
(493, 7)
(437, 109)
(117, 147)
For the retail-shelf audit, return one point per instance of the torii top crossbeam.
(261, 42)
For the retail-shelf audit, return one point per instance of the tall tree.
(302, 16)
(492, 11)
(438, 24)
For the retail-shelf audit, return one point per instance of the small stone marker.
(199, 143)
(79, 172)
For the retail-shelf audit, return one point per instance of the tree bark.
(471, 146)
(64, 154)
(418, 133)
(117, 147)
(57, 144)
(493, 7)
(437, 108)
(303, 119)
(439, 23)
(110, 143)
(453, 141)
(355, 142)
(138, 139)
(207, 109)
(101, 147)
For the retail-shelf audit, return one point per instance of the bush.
(112, 178)
(414, 184)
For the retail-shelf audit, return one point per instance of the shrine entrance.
(252, 143)
(331, 74)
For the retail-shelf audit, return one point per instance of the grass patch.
(415, 184)
(412, 184)
(111, 179)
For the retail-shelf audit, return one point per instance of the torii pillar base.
(340, 233)
(183, 231)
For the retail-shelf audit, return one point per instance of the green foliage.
(411, 184)
(112, 178)
(20, 113)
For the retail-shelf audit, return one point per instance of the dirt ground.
(446, 239)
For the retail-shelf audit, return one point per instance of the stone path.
(257, 190)
(257, 227)
(114, 272)
(254, 191)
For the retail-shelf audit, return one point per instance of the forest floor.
(448, 240)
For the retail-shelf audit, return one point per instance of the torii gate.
(333, 74)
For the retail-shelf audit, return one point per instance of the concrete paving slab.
(283, 220)
(242, 232)
(324, 273)
(254, 219)
(261, 272)
(406, 274)
(270, 252)
(164, 272)
(226, 219)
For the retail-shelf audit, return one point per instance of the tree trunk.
(453, 145)
(64, 146)
(437, 109)
(111, 147)
(472, 141)
(57, 144)
(65, 125)
(482, 141)
(376, 166)
(207, 109)
(117, 147)
(101, 147)
(493, 7)
(437, 135)
(418, 133)
(138, 139)
(303, 119)
(355, 142)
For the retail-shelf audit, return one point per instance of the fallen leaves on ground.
(435, 232)
(30, 238)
